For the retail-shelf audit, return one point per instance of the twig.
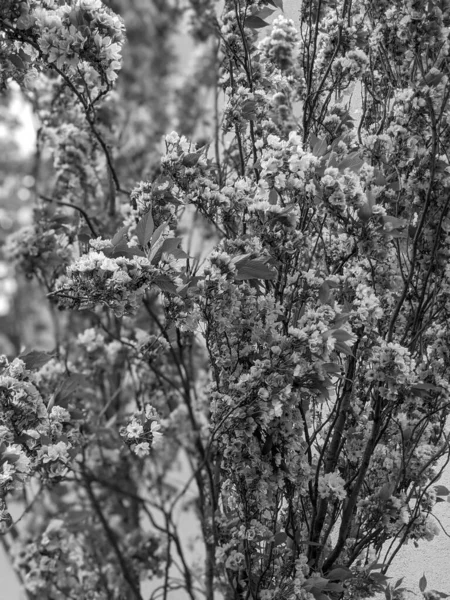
(82, 212)
(112, 538)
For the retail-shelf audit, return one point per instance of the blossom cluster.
(95, 278)
(393, 364)
(79, 38)
(62, 557)
(40, 251)
(280, 48)
(142, 431)
(35, 438)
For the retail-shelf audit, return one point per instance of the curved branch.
(82, 212)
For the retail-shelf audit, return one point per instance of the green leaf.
(353, 162)
(319, 147)
(429, 387)
(374, 566)
(343, 348)
(340, 574)
(145, 228)
(254, 22)
(157, 233)
(165, 284)
(178, 254)
(341, 335)
(334, 587)
(69, 386)
(340, 320)
(379, 178)
(169, 246)
(273, 196)
(84, 234)
(424, 390)
(9, 457)
(17, 61)
(123, 249)
(364, 213)
(433, 79)
(119, 236)
(190, 160)
(317, 583)
(423, 583)
(248, 268)
(334, 368)
(379, 578)
(248, 110)
(265, 12)
(333, 160)
(441, 490)
(324, 292)
(386, 491)
(35, 359)
(77, 17)
(322, 389)
(280, 538)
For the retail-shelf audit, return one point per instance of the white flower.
(55, 452)
(295, 139)
(294, 163)
(99, 244)
(16, 368)
(150, 412)
(378, 210)
(332, 485)
(155, 430)
(22, 463)
(134, 429)
(91, 339)
(60, 414)
(172, 138)
(107, 264)
(121, 277)
(142, 450)
(274, 141)
(235, 561)
(7, 474)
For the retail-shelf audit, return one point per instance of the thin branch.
(82, 212)
(113, 541)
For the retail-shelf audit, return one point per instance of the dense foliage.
(268, 308)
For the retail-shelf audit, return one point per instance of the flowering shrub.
(268, 307)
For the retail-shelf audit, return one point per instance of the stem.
(82, 212)
(112, 539)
